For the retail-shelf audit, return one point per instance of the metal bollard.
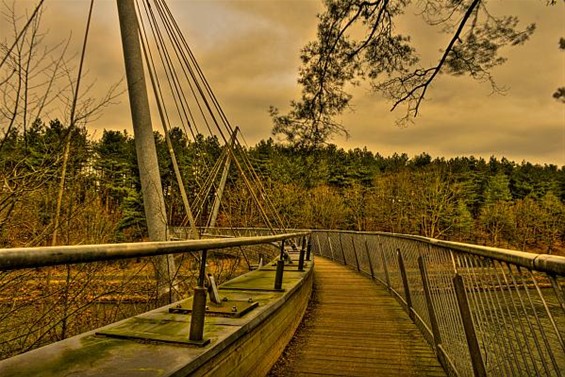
(309, 248)
(301, 258)
(198, 314)
(199, 305)
(280, 269)
(279, 274)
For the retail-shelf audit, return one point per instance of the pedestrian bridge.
(382, 304)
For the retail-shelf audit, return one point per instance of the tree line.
(495, 202)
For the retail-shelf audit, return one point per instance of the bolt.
(234, 309)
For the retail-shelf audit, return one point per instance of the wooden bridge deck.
(356, 328)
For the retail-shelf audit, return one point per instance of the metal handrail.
(19, 258)
(46, 292)
(486, 311)
(538, 262)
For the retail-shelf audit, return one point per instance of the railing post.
(309, 248)
(319, 245)
(355, 253)
(199, 305)
(331, 248)
(302, 252)
(470, 334)
(405, 283)
(342, 251)
(385, 267)
(429, 302)
(280, 269)
(369, 259)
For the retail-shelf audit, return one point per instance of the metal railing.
(19, 258)
(486, 311)
(50, 293)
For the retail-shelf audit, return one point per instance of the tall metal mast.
(146, 151)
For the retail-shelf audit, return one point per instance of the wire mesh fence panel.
(373, 250)
(334, 245)
(535, 328)
(508, 317)
(39, 306)
(410, 253)
(360, 247)
(440, 268)
(348, 249)
(389, 250)
(320, 244)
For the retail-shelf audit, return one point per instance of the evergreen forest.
(493, 202)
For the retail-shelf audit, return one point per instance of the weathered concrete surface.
(238, 346)
(356, 328)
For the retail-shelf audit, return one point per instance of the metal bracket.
(227, 308)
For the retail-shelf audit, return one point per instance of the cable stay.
(185, 99)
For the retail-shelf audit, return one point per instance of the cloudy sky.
(249, 51)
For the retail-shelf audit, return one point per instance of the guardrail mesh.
(39, 306)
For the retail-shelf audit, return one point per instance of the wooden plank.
(355, 328)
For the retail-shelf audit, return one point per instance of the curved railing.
(89, 286)
(486, 311)
(19, 258)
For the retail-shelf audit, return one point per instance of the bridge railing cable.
(485, 311)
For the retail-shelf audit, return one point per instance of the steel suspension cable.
(164, 120)
(177, 87)
(244, 155)
(174, 38)
(211, 103)
(260, 186)
(210, 179)
(197, 74)
(70, 130)
(184, 112)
